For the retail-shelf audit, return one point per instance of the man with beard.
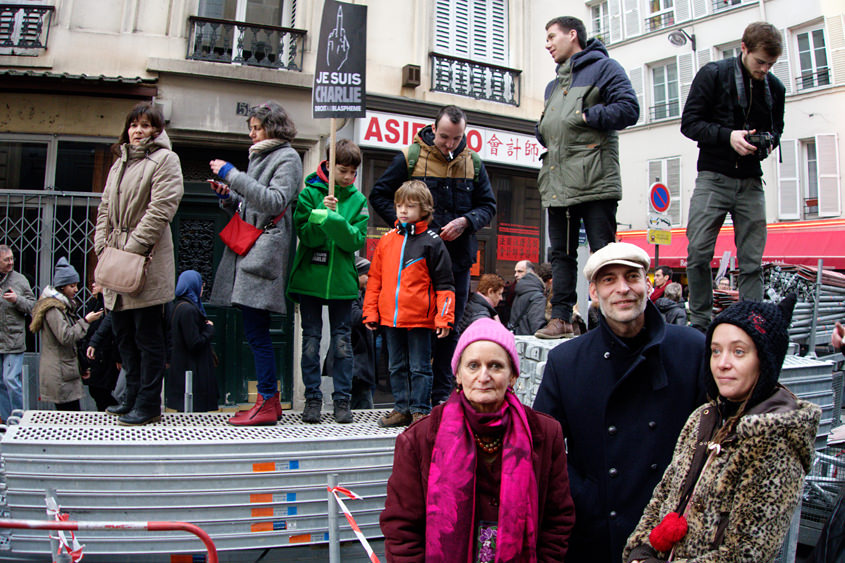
(622, 393)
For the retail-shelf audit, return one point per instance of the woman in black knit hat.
(740, 461)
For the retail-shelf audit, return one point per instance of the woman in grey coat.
(255, 282)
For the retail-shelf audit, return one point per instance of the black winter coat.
(477, 308)
(674, 313)
(717, 104)
(191, 341)
(103, 368)
(528, 313)
(621, 411)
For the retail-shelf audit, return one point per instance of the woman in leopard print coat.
(740, 461)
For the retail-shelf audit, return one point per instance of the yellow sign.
(659, 237)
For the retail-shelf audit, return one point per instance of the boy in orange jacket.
(410, 293)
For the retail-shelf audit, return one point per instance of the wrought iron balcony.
(665, 111)
(659, 21)
(226, 41)
(813, 79)
(482, 81)
(24, 28)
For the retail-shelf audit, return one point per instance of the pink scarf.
(450, 502)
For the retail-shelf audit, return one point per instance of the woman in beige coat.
(142, 194)
(54, 314)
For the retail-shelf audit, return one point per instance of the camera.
(763, 141)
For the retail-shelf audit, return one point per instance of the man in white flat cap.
(622, 393)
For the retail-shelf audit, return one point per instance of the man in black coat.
(730, 102)
(622, 393)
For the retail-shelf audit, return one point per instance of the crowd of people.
(630, 451)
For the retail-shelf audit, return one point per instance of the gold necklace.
(489, 445)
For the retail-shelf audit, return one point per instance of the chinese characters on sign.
(518, 242)
(394, 131)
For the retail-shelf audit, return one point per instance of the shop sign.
(518, 242)
(395, 131)
(340, 82)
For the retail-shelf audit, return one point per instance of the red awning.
(787, 243)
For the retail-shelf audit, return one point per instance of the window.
(62, 164)
(662, 14)
(664, 79)
(808, 178)
(812, 59)
(731, 50)
(472, 29)
(600, 18)
(724, 4)
(667, 171)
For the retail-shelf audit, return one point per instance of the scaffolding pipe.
(149, 526)
(334, 530)
(189, 391)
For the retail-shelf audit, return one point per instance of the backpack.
(414, 155)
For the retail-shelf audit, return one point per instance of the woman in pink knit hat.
(483, 477)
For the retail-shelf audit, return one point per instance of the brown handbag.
(121, 271)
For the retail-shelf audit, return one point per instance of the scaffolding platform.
(250, 488)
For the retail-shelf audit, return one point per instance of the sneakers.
(342, 413)
(415, 416)
(556, 328)
(394, 419)
(311, 412)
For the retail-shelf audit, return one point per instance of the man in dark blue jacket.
(622, 393)
(586, 104)
(463, 204)
(729, 101)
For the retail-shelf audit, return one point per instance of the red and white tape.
(73, 548)
(351, 520)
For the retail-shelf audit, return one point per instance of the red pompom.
(668, 532)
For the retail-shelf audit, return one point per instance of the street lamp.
(679, 37)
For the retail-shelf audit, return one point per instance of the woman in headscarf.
(739, 464)
(191, 334)
(482, 478)
(54, 315)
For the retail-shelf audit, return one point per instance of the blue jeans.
(444, 348)
(340, 321)
(257, 331)
(11, 388)
(409, 362)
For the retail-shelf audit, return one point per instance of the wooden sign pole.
(332, 155)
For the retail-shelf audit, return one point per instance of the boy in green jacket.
(331, 229)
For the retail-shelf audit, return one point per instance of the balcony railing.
(659, 21)
(602, 34)
(24, 28)
(226, 41)
(473, 79)
(665, 111)
(719, 5)
(813, 79)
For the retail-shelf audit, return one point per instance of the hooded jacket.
(141, 196)
(324, 265)
(745, 498)
(411, 283)
(528, 312)
(454, 187)
(13, 315)
(674, 313)
(58, 366)
(621, 410)
(477, 308)
(582, 163)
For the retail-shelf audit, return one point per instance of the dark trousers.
(140, 340)
(564, 224)
(444, 379)
(102, 397)
(257, 331)
(71, 406)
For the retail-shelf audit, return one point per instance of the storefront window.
(82, 166)
(23, 165)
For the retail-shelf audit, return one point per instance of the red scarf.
(450, 502)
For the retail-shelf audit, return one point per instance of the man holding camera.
(735, 112)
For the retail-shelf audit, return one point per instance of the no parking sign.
(659, 197)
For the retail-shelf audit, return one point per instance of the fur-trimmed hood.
(50, 299)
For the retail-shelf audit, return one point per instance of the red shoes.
(263, 413)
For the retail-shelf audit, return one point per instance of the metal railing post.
(811, 341)
(189, 391)
(334, 531)
(25, 393)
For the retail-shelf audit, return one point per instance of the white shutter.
(686, 72)
(781, 68)
(699, 8)
(460, 28)
(836, 39)
(632, 18)
(480, 44)
(499, 31)
(827, 166)
(673, 182)
(636, 77)
(682, 11)
(789, 198)
(472, 29)
(615, 8)
(442, 27)
(704, 57)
